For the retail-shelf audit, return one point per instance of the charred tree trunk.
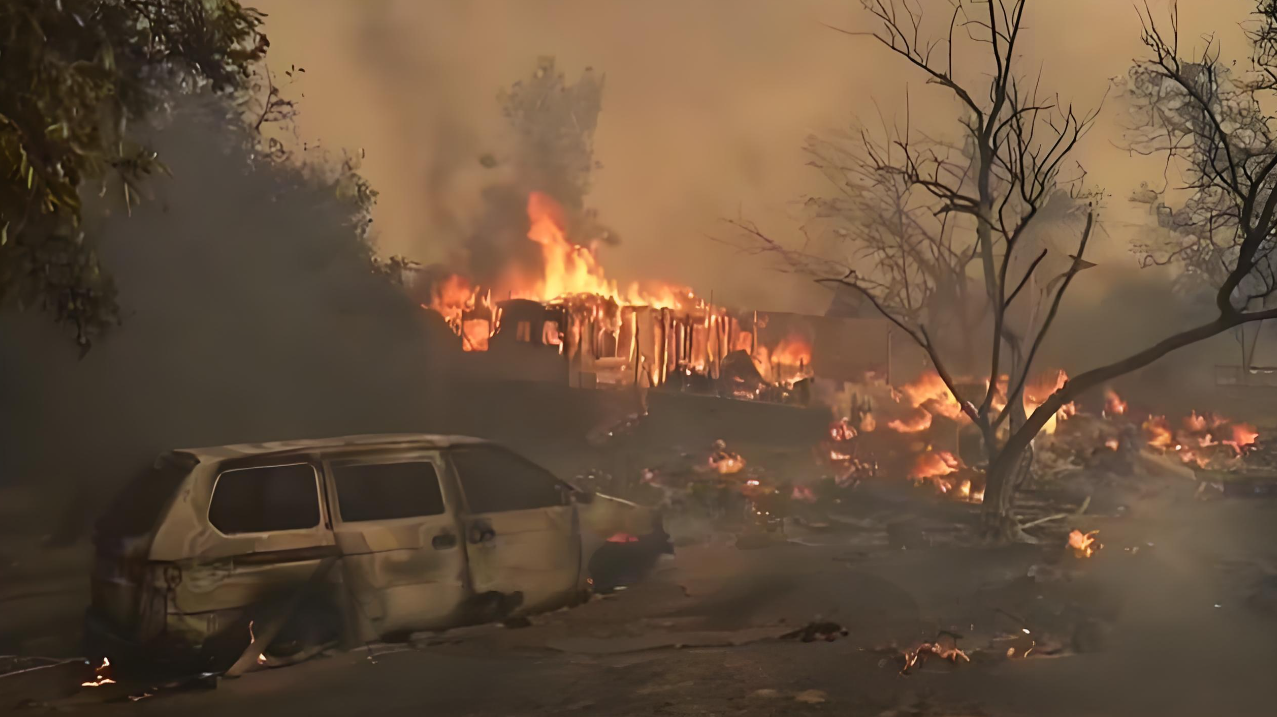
(1005, 477)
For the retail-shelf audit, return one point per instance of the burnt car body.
(395, 533)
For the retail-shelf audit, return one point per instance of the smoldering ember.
(880, 357)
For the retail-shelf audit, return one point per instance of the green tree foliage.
(75, 77)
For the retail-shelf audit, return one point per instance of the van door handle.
(481, 533)
(443, 541)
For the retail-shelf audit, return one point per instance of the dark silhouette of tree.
(76, 77)
(945, 237)
(555, 123)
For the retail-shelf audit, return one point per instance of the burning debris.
(919, 432)
(817, 630)
(1084, 545)
(945, 647)
(101, 675)
(645, 335)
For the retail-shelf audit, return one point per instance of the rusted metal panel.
(534, 553)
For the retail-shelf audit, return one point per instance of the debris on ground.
(811, 697)
(944, 647)
(817, 630)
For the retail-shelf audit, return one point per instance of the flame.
(1244, 435)
(1198, 433)
(934, 464)
(623, 538)
(1190, 456)
(451, 297)
(1036, 393)
(1084, 545)
(842, 430)
(915, 656)
(919, 421)
(790, 360)
(475, 334)
(261, 659)
(868, 423)
(1157, 431)
(793, 351)
(101, 675)
(570, 269)
(930, 392)
(725, 462)
(1193, 423)
(1113, 403)
(802, 493)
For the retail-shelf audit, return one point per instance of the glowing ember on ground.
(803, 493)
(261, 659)
(1199, 434)
(915, 657)
(1113, 403)
(1084, 545)
(101, 675)
(723, 461)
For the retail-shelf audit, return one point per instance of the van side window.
(496, 480)
(386, 491)
(265, 500)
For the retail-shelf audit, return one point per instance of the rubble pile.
(1202, 447)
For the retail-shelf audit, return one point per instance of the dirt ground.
(1164, 619)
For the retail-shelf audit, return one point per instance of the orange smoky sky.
(705, 111)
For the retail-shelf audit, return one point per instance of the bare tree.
(931, 217)
(1212, 126)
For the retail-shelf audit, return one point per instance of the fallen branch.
(1059, 516)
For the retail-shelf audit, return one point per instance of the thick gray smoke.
(251, 312)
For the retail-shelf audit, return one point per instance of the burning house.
(570, 324)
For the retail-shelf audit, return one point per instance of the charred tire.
(313, 627)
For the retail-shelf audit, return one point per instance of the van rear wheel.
(314, 626)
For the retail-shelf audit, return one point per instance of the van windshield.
(136, 509)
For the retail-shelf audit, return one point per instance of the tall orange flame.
(918, 421)
(934, 464)
(1113, 403)
(571, 269)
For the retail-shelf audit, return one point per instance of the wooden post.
(753, 343)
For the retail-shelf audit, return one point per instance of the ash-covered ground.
(1168, 617)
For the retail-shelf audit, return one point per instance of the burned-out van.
(361, 537)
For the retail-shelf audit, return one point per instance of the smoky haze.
(249, 313)
(704, 115)
(249, 317)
